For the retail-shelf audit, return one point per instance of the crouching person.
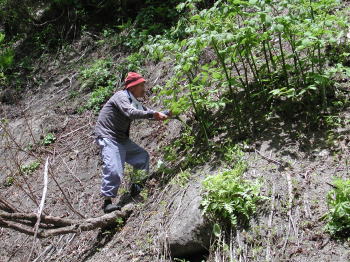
(112, 135)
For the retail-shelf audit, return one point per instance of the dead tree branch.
(59, 225)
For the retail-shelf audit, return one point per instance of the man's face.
(138, 90)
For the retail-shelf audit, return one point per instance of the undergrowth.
(338, 215)
(229, 198)
(245, 60)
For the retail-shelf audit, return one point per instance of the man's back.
(116, 115)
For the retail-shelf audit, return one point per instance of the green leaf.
(216, 230)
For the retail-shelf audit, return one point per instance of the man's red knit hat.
(133, 79)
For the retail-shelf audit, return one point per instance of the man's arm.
(122, 102)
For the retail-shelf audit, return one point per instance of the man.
(112, 135)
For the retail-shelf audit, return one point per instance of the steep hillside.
(245, 171)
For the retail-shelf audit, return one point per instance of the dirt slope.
(288, 228)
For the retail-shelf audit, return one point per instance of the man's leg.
(137, 157)
(113, 157)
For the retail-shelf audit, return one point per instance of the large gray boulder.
(189, 232)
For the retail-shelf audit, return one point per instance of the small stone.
(324, 153)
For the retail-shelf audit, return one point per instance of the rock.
(324, 153)
(189, 232)
(8, 96)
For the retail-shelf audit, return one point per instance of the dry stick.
(269, 159)
(73, 131)
(18, 248)
(32, 217)
(71, 172)
(47, 250)
(29, 127)
(269, 224)
(8, 205)
(67, 243)
(41, 207)
(306, 196)
(66, 198)
(290, 204)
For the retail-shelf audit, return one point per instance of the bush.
(48, 139)
(98, 97)
(338, 216)
(100, 73)
(101, 78)
(6, 59)
(30, 168)
(228, 197)
(253, 61)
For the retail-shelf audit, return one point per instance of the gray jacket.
(116, 116)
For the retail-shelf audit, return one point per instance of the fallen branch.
(41, 207)
(7, 206)
(284, 164)
(66, 225)
(269, 224)
(290, 206)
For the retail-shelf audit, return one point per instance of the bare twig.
(65, 135)
(290, 205)
(270, 159)
(269, 224)
(7, 206)
(66, 198)
(18, 248)
(41, 207)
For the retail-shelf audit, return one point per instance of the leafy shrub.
(100, 73)
(228, 197)
(98, 97)
(9, 181)
(132, 63)
(48, 139)
(252, 60)
(181, 178)
(6, 59)
(101, 78)
(30, 168)
(338, 216)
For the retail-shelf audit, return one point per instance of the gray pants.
(114, 155)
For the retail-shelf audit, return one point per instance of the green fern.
(338, 216)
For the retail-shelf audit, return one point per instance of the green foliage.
(232, 155)
(102, 77)
(30, 168)
(138, 176)
(132, 63)
(261, 58)
(98, 97)
(228, 197)
(154, 18)
(9, 181)
(6, 59)
(48, 139)
(100, 73)
(119, 221)
(181, 178)
(338, 216)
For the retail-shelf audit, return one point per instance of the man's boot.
(135, 189)
(108, 207)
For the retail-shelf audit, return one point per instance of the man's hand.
(159, 116)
